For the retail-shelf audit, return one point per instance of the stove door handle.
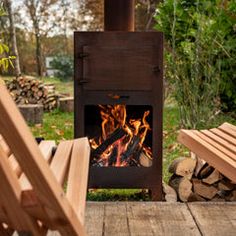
(117, 96)
(124, 96)
(83, 81)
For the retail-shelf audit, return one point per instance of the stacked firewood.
(26, 90)
(195, 180)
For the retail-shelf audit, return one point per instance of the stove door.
(119, 61)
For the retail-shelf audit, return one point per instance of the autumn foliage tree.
(39, 12)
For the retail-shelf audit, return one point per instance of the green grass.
(56, 126)
(62, 86)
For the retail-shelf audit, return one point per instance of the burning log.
(117, 134)
(113, 156)
(132, 148)
(125, 145)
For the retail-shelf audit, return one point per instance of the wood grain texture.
(10, 198)
(215, 219)
(46, 148)
(209, 153)
(221, 141)
(229, 129)
(4, 146)
(160, 219)
(216, 145)
(224, 135)
(115, 219)
(61, 159)
(78, 176)
(20, 140)
(163, 219)
(94, 218)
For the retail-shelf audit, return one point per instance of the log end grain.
(66, 104)
(32, 113)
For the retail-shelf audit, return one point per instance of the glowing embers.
(122, 140)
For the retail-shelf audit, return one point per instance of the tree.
(200, 55)
(90, 15)
(8, 4)
(40, 13)
(5, 59)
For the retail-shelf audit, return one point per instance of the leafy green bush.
(64, 66)
(198, 54)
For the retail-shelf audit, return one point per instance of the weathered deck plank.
(94, 218)
(215, 219)
(115, 219)
(159, 219)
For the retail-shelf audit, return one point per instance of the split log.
(145, 160)
(194, 197)
(205, 171)
(208, 183)
(217, 198)
(204, 190)
(170, 193)
(214, 177)
(183, 166)
(233, 196)
(226, 185)
(182, 186)
(199, 166)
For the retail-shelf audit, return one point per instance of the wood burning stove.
(120, 72)
(123, 68)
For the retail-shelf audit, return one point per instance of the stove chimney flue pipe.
(119, 15)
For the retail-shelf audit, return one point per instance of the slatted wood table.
(216, 146)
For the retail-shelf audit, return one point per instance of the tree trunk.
(13, 38)
(39, 57)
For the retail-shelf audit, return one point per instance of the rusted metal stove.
(118, 105)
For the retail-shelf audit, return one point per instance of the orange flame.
(114, 117)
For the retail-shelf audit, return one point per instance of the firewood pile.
(195, 180)
(27, 90)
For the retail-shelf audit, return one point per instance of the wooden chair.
(32, 180)
(216, 146)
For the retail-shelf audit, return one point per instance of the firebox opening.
(120, 135)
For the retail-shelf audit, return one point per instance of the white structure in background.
(50, 71)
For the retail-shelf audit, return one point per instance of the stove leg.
(156, 194)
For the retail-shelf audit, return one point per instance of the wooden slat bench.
(216, 146)
(32, 180)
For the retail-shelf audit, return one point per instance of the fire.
(121, 141)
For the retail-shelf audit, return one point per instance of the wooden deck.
(159, 218)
